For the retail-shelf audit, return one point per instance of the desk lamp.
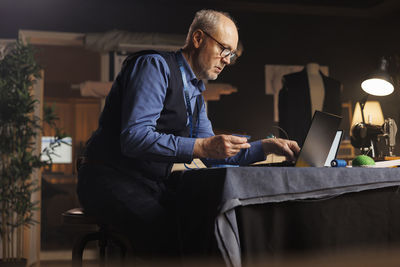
(379, 82)
(364, 134)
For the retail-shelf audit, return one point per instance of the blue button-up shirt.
(141, 108)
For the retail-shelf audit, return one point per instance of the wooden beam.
(31, 246)
(52, 38)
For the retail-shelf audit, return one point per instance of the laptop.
(319, 139)
(321, 143)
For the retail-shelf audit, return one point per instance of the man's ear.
(198, 38)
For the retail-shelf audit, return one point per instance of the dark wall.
(93, 16)
(349, 46)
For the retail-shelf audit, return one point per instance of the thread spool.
(338, 163)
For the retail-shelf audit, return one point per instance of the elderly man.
(155, 116)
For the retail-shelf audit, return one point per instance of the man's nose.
(226, 60)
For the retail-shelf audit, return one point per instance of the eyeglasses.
(226, 52)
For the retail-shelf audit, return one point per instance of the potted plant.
(18, 159)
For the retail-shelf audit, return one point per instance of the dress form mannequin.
(316, 85)
(302, 93)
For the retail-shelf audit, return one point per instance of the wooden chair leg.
(79, 246)
(120, 244)
(102, 237)
(102, 246)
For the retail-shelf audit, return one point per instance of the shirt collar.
(189, 74)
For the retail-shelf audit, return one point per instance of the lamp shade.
(379, 82)
(372, 113)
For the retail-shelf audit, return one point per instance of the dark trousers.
(140, 208)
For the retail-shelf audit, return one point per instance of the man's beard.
(203, 71)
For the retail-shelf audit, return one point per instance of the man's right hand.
(219, 146)
(282, 147)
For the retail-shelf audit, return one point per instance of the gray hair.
(207, 20)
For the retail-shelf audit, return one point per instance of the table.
(208, 198)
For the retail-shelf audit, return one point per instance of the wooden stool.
(103, 236)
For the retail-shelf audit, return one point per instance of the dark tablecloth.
(366, 221)
(207, 199)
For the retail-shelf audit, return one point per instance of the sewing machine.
(378, 141)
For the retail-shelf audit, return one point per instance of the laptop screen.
(334, 148)
(319, 139)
